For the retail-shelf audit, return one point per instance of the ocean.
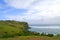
(46, 29)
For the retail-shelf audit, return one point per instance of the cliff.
(12, 28)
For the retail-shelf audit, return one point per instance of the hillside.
(32, 38)
(12, 28)
(15, 29)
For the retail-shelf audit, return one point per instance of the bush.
(43, 34)
(50, 35)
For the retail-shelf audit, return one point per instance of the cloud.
(39, 11)
(19, 3)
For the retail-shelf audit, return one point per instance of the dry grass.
(32, 38)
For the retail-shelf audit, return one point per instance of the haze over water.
(46, 29)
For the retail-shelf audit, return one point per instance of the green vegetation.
(32, 38)
(12, 28)
(44, 34)
(15, 30)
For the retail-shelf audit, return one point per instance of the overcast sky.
(32, 11)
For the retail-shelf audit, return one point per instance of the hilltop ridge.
(12, 28)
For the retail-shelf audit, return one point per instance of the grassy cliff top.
(11, 28)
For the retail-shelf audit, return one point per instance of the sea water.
(46, 29)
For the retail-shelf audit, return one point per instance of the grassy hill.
(12, 28)
(19, 31)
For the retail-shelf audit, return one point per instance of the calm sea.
(46, 29)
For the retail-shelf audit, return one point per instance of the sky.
(31, 11)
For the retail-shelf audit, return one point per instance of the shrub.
(50, 35)
(43, 34)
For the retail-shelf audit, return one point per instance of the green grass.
(32, 38)
(12, 28)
